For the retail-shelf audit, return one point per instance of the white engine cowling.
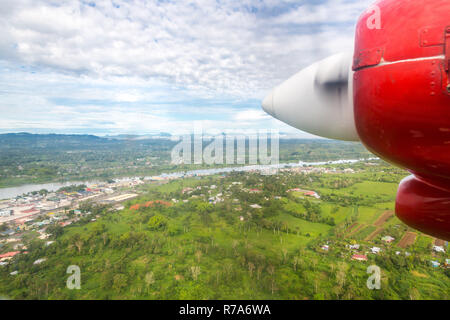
(318, 99)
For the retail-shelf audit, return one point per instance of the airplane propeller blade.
(318, 99)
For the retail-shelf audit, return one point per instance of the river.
(8, 193)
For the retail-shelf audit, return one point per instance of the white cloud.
(251, 115)
(197, 44)
(131, 51)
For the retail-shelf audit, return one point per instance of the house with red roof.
(29, 211)
(150, 204)
(312, 194)
(307, 193)
(65, 224)
(8, 255)
(359, 257)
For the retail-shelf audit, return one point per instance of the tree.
(259, 271)
(55, 230)
(251, 268)
(284, 252)
(120, 282)
(77, 242)
(234, 244)
(149, 279)
(340, 278)
(195, 270)
(271, 270)
(157, 222)
(295, 262)
(198, 255)
(414, 294)
(98, 229)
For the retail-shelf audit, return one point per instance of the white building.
(6, 213)
(439, 249)
(39, 261)
(375, 250)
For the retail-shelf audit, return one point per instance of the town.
(314, 206)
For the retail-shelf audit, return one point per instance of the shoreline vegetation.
(40, 159)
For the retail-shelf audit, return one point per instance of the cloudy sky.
(129, 66)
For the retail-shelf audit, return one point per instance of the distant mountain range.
(22, 137)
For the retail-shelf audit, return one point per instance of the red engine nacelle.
(395, 99)
(402, 102)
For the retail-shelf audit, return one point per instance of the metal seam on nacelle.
(388, 63)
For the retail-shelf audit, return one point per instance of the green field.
(198, 250)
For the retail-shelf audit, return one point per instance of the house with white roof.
(375, 250)
(439, 249)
